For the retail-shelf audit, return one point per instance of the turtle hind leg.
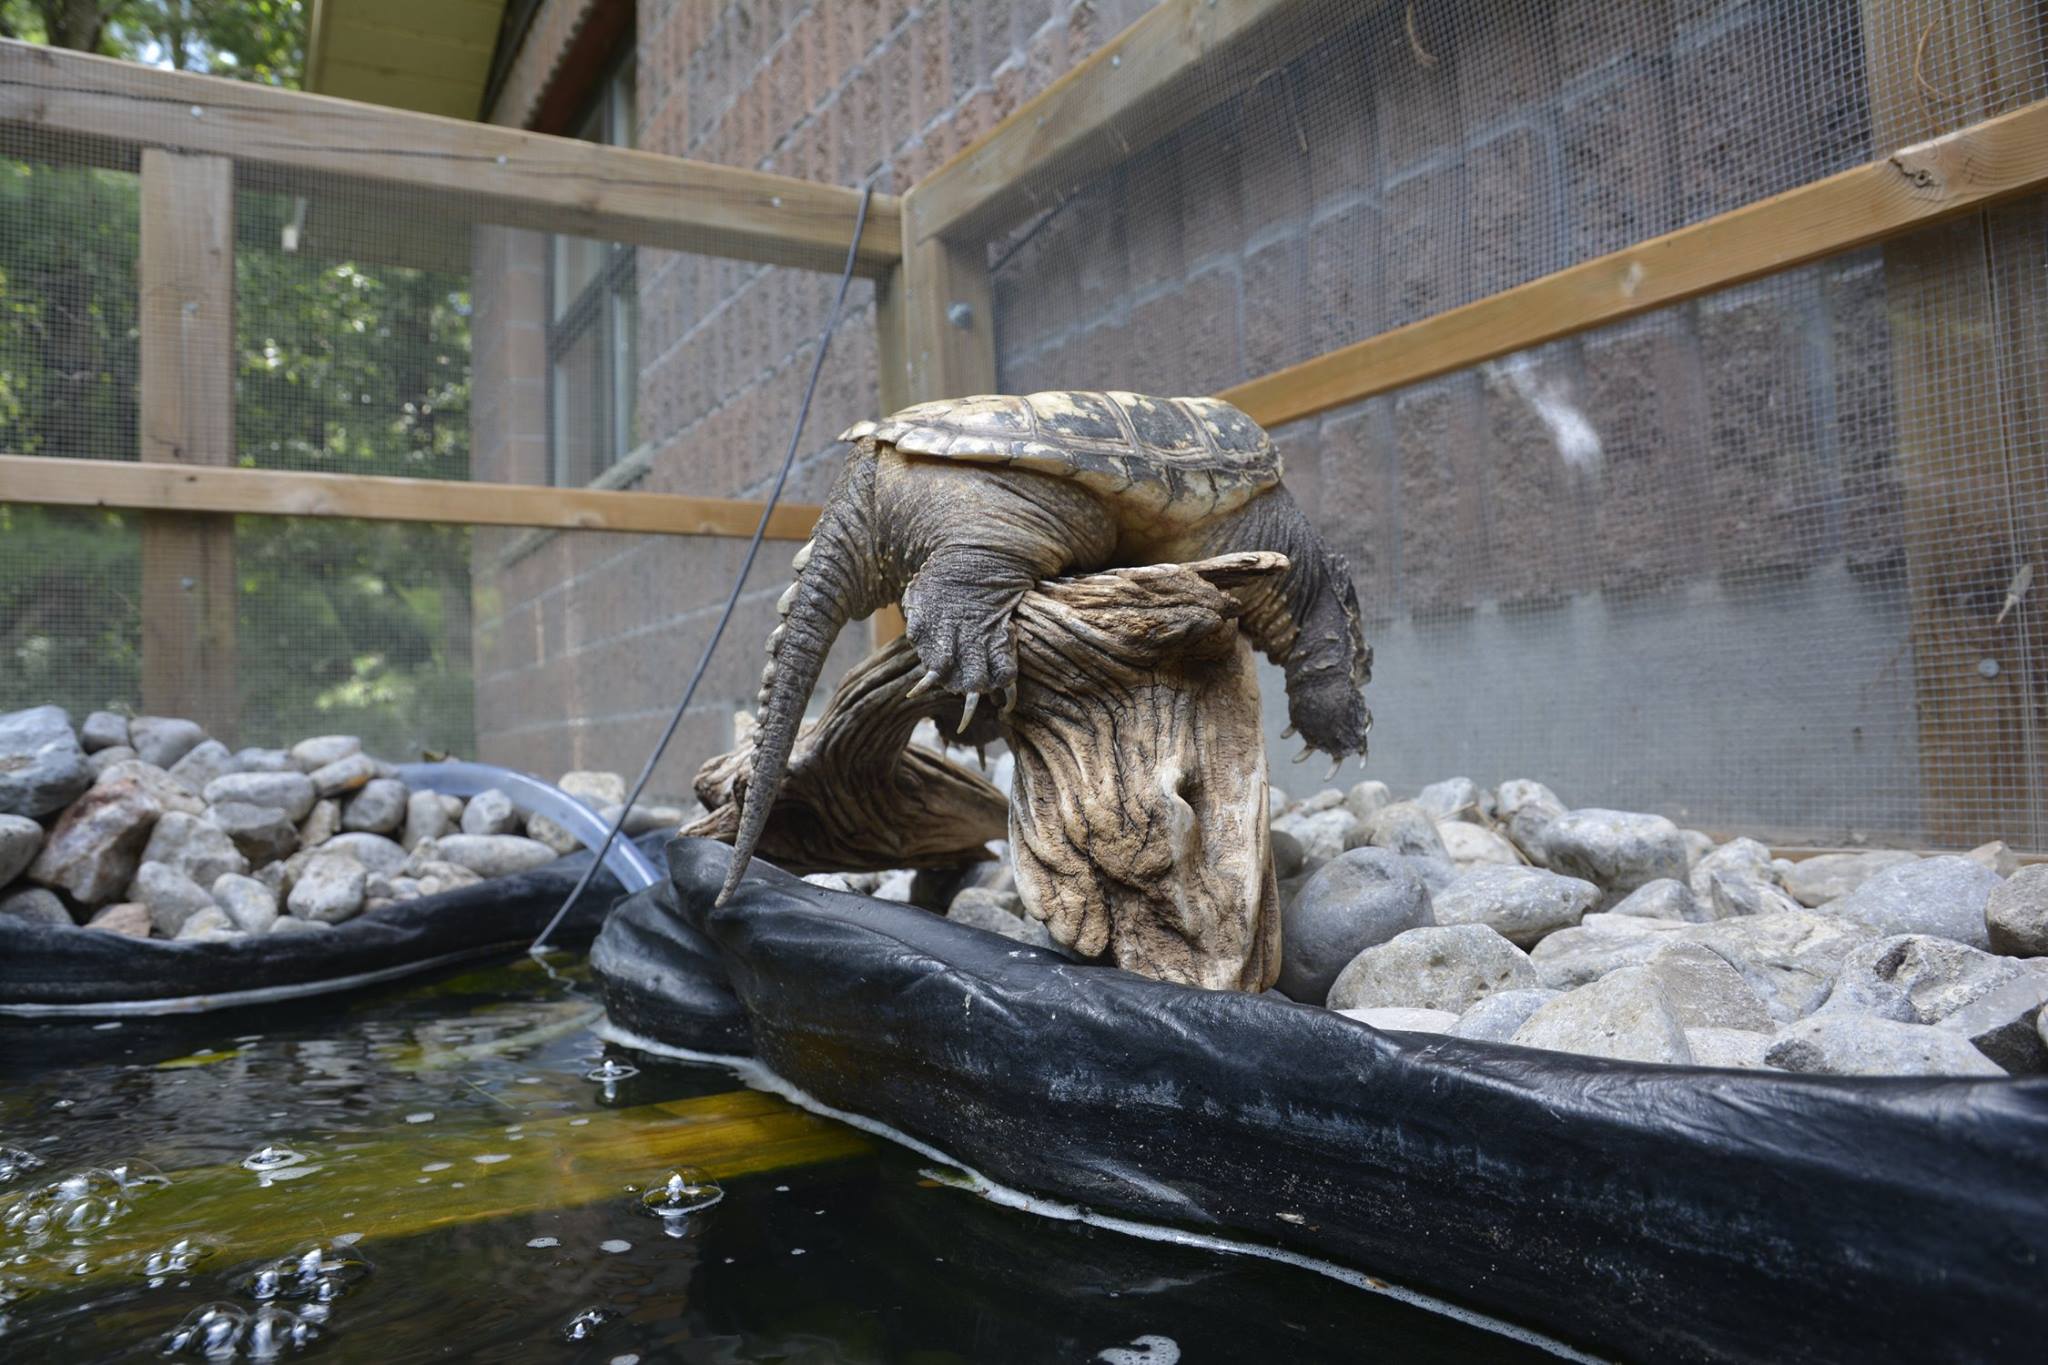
(957, 612)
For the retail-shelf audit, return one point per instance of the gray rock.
(1400, 1019)
(373, 851)
(1739, 878)
(310, 755)
(1663, 899)
(344, 775)
(34, 905)
(1996, 856)
(162, 740)
(1276, 802)
(1453, 799)
(2004, 1023)
(291, 793)
(645, 818)
(1329, 798)
(172, 897)
(200, 850)
(274, 876)
(1354, 901)
(379, 808)
(103, 730)
(1448, 967)
(1829, 876)
(1288, 857)
(205, 761)
(167, 791)
(1322, 834)
(210, 925)
(1527, 810)
(106, 758)
(595, 788)
(828, 881)
(406, 889)
(250, 904)
(425, 818)
(894, 886)
(1789, 958)
(1597, 945)
(1495, 1018)
(264, 761)
(1705, 990)
(20, 837)
(322, 823)
(1840, 1044)
(1521, 904)
(2015, 913)
(1406, 827)
(97, 844)
(999, 912)
(1366, 800)
(1624, 1014)
(500, 855)
(1731, 1049)
(1917, 978)
(329, 888)
(42, 768)
(260, 833)
(292, 924)
(1698, 844)
(1615, 849)
(435, 877)
(543, 830)
(490, 812)
(1945, 897)
(127, 918)
(1467, 844)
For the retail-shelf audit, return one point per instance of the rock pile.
(1510, 917)
(148, 827)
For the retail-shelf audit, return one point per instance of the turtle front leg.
(981, 538)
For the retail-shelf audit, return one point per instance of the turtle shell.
(1181, 458)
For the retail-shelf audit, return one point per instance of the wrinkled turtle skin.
(956, 508)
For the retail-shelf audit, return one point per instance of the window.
(592, 323)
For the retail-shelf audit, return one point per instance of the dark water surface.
(467, 1190)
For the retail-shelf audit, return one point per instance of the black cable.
(803, 415)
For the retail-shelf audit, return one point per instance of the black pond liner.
(71, 971)
(1651, 1213)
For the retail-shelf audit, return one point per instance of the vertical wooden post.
(1960, 378)
(936, 316)
(187, 416)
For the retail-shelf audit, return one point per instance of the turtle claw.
(923, 685)
(1302, 757)
(1288, 733)
(967, 712)
(1335, 764)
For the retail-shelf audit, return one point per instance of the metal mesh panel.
(1740, 561)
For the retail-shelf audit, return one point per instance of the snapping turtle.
(958, 507)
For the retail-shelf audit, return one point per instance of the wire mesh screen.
(1756, 561)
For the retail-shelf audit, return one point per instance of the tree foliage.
(343, 365)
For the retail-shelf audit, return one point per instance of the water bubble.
(578, 1123)
(107, 1027)
(175, 1258)
(437, 1165)
(15, 1163)
(543, 1243)
(627, 1359)
(796, 1251)
(611, 1069)
(79, 1204)
(584, 1325)
(615, 1245)
(214, 1331)
(1150, 1349)
(273, 1157)
(316, 1272)
(491, 1158)
(423, 1116)
(275, 1330)
(684, 1192)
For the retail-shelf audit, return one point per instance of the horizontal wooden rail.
(1133, 90)
(293, 493)
(1961, 171)
(103, 112)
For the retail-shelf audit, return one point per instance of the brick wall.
(585, 640)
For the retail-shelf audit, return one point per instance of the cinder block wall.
(585, 640)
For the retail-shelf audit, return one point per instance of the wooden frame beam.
(293, 493)
(1966, 170)
(104, 111)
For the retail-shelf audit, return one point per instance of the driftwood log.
(1137, 819)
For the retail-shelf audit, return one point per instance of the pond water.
(461, 1169)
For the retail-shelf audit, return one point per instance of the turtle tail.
(835, 573)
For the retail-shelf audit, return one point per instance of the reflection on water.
(460, 1170)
